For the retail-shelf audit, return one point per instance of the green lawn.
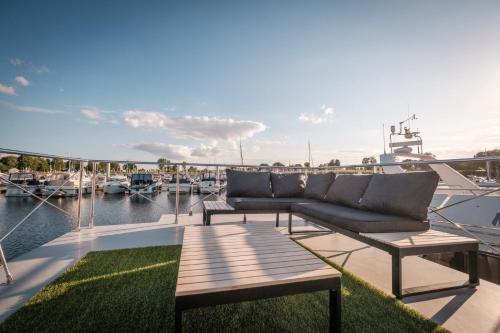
(133, 291)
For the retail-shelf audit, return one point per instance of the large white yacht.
(69, 189)
(471, 205)
(143, 183)
(116, 184)
(209, 183)
(26, 182)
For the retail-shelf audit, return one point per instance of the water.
(48, 223)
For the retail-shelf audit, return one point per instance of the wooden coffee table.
(236, 263)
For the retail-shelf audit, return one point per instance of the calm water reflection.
(48, 223)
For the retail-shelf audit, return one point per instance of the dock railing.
(357, 168)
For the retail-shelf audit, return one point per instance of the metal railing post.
(3, 262)
(92, 198)
(177, 195)
(488, 170)
(80, 197)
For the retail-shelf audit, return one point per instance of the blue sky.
(187, 80)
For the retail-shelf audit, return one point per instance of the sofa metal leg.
(289, 223)
(277, 220)
(397, 276)
(473, 267)
(244, 218)
(335, 308)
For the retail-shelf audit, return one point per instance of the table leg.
(335, 310)
(473, 267)
(277, 220)
(209, 217)
(396, 276)
(289, 223)
(178, 320)
(204, 217)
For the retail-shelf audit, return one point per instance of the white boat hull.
(65, 191)
(184, 188)
(147, 190)
(13, 191)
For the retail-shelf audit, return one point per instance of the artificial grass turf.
(133, 290)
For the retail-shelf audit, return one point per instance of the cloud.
(22, 81)
(92, 114)
(324, 115)
(198, 128)
(33, 109)
(269, 142)
(16, 61)
(40, 69)
(205, 151)
(7, 90)
(175, 152)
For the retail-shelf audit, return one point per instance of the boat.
(26, 182)
(3, 182)
(116, 185)
(185, 185)
(100, 182)
(71, 185)
(209, 183)
(143, 183)
(478, 214)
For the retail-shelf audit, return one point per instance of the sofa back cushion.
(248, 184)
(347, 190)
(288, 185)
(318, 184)
(404, 194)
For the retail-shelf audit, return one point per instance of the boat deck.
(460, 311)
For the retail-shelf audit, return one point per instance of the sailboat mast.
(241, 153)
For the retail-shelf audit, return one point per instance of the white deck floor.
(459, 311)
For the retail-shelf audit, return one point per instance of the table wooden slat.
(220, 258)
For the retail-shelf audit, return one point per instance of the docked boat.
(116, 185)
(100, 182)
(26, 182)
(185, 185)
(143, 183)
(3, 182)
(54, 185)
(209, 184)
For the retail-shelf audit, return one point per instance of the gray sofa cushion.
(318, 184)
(358, 220)
(347, 190)
(248, 184)
(242, 203)
(288, 185)
(405, 194)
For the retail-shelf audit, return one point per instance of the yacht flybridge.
(477, 209)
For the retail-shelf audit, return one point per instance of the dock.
(470, 310)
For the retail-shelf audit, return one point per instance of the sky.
(139, 80)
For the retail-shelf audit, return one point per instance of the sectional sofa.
(374, 209)
(357, 203)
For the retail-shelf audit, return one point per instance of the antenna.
(241, 152)
(309, 150)
(383, 136)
